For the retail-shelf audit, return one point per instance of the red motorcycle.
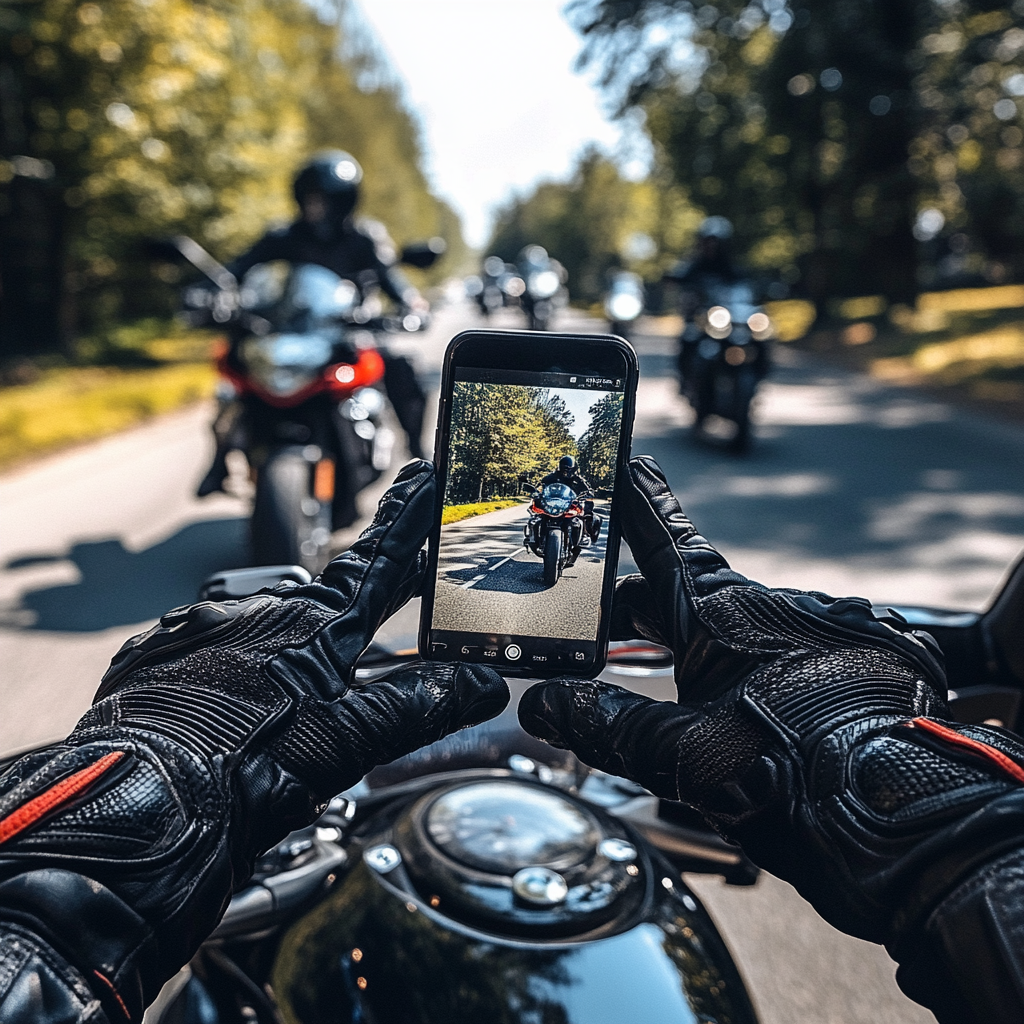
(301, 394)
(556, 529)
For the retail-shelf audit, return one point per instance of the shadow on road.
(120, 587)
(844, 469)
(511, 578)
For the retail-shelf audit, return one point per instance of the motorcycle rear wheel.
(288, 525)
(552, 557)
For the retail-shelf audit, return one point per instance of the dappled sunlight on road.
(852, 486)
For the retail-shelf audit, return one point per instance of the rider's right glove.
(817, 736)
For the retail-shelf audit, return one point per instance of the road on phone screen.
(488, 582)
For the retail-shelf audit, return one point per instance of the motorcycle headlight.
(556, 505)
(286, 363)
(371, 400)
(719, 317)
(543, 284)
(759, 324)
(624, 306)
(514, 286)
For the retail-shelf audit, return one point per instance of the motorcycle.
(623, 302)
(544, 290)
(724, 353)
(555, 529)
(487, 289)
(490, 877)
(300, 394)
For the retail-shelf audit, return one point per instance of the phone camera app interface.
(524, 527)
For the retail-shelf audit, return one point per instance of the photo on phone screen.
(522, 555)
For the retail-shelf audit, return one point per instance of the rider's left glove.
(212, 736)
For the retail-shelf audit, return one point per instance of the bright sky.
(493, 84)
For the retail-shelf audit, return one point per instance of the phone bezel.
(535, 352)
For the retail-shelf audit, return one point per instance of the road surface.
(489, 583)
(852, 487)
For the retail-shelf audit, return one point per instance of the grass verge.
(456, 513)
(69, 405)
(966, 345)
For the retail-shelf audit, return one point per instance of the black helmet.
(566, 464)
(336, 176)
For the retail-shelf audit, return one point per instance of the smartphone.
(532, 442)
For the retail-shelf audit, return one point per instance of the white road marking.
(503, 561)
(469, 583)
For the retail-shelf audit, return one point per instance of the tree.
(822, 130)
(124, 120)
(501, 434)
(599, 445)
(596, 221)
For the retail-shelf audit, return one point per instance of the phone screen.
(527, 544)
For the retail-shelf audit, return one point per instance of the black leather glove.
(212, 736)
(817, 736)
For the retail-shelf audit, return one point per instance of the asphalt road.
(488, 582)
(851, 487)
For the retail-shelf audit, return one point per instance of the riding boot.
(215, 475)
(407, 399)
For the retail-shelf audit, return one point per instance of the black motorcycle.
(623, 302)
(556, 528)
(543, 286)
(490, 877)
(723, 355)
(487, 288)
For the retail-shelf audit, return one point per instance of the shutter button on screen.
(513, 652)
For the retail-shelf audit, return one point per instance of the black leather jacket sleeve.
(212, 736)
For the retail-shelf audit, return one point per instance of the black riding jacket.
(351, 253)
(572, 480)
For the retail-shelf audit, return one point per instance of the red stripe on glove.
(996, 757)
(65, 790)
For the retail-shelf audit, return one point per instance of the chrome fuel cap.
(540, 886)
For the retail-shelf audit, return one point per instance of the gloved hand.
(211, 737)
(808, 730)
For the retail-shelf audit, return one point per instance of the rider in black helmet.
(326, 233)
(568, 473)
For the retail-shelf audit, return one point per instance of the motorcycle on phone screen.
(557, 529)
(723, 355)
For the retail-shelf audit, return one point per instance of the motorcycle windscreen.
(523, 548)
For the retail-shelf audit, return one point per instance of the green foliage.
(599, 444)
(456, 513)
(596, 221)
(501, 432)
(821, 130)
(153, 117)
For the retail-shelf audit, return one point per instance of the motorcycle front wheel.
(552, 557)
(289, 526)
